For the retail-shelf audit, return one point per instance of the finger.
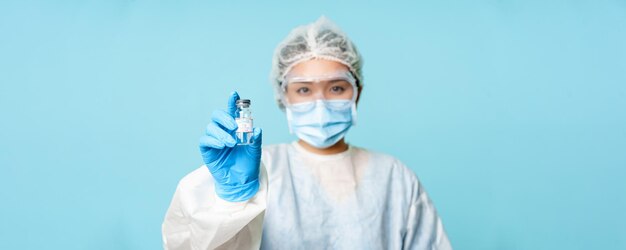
(257, 138)
(217, 132)
(207, 141)
(232, 104)
(224, 119)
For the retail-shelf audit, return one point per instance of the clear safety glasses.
(338, 90)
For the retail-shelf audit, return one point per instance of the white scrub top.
(357, 199)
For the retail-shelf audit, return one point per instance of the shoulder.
(387, 161)
(395, 170)
(274, 149)
(273, 152)
(275, 156)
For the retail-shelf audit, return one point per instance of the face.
(319, 79)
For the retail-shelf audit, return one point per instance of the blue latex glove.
(235, 168)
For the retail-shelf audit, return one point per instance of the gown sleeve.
(424, 227)
(198, 219)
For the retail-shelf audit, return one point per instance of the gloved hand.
(235, 168)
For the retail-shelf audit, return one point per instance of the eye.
(337, 89)
(303, 90)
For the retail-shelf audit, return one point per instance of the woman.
(318, 192)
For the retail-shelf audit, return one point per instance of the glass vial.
(244, 122)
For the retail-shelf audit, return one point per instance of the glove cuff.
(237, 193)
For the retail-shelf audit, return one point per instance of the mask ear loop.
(287, 109)
(289, 117)
(353, 114)
(356, 90)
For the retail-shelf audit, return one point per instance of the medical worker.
(315, 193)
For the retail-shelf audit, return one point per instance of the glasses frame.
(333, 76)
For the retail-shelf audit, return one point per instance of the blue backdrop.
(510, 112)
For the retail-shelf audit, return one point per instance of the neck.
(338, 147)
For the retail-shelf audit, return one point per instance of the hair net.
(321, 39)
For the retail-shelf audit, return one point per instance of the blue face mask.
(321, 123)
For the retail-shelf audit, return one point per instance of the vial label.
(244, 125)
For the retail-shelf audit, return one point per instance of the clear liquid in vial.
(244, 122)
(244, 131)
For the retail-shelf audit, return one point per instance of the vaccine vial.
(244, 122)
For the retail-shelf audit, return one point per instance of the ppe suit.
(356, 199)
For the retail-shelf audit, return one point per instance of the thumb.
(257, 139)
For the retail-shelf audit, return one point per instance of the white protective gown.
(356, 199)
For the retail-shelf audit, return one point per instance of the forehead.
(317, 67)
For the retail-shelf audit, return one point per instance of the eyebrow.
(337, 80)
(311, 82)
(302, 82)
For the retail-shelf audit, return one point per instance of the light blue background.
(511, 112)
